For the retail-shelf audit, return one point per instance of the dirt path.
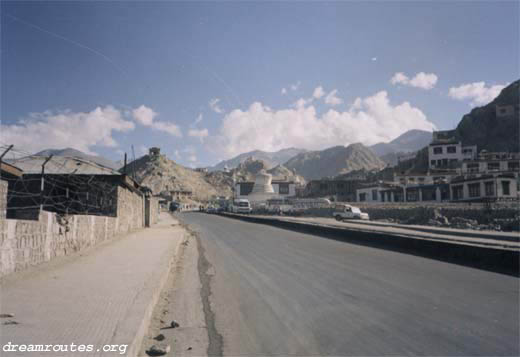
(180, 302)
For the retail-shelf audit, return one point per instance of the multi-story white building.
(493, 162)
(449, 154)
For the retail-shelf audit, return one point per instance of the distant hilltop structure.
(154, 151)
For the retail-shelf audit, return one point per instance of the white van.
(241, 205)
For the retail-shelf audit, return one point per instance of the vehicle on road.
(343, 211)
(241, 205)
(211, 209)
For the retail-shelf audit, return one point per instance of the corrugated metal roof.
(60, 165)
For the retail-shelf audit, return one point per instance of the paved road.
(277, 292)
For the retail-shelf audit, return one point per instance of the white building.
(265, 188)
(484, 187)
(493, 162)
(449, 154)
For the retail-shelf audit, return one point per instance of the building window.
(437, 150)
(412, 195)
(362, 197)
(452, 149)
(473, 167)
(513, 165)
(341, 186)
(374, 195)
(432, 163)
(283, 188)
(457, 192)
(505, 188)
(323, 186)
(474, 190)
(493, 166)
(489, 188)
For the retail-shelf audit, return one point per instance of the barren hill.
(161, 175)
(334, 161)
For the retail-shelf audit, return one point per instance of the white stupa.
(262, 189)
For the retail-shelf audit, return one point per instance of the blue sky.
(102, 76)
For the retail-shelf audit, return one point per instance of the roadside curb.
(504, 261)
(135, 346)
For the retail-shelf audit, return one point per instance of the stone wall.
(154, 210)
(3, 198)
(130, 210)
(26, 243)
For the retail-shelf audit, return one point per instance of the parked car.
(342, 212)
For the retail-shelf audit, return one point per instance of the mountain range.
(334, 161)
(270, 158)
(69, 152)
(410, 141)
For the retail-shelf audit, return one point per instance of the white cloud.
(295, 86)
(400, 78)
(477, 92)
(302, 102)
(201, 134)
(198, 120)
(420, 80)
(369, 120)
(191, 154)
(318, 92)
(58, 130)
(146, 116)
(332, 99)
(177, 154)
(167, 127)
(374, 59)
(284, 91)
(213, 104)
(143, 150)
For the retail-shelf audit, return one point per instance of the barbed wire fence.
(57, 184)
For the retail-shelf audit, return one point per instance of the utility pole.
(42, 186)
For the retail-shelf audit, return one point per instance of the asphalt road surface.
(278, 292)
